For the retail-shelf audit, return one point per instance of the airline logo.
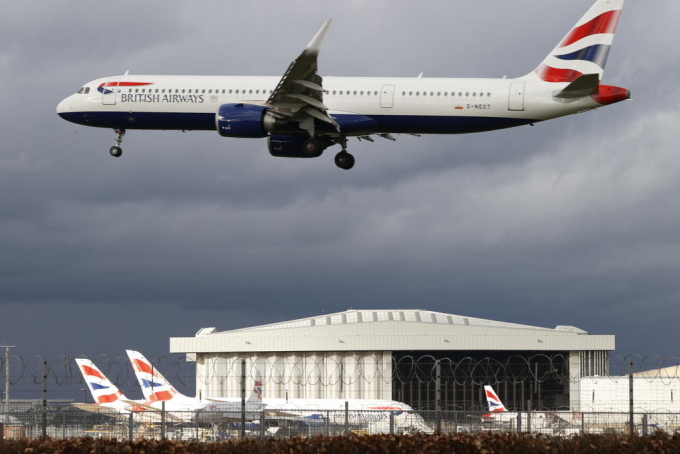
(258, 388)
(495, 404)
(154, 386)
(585, 49)
(103, 391)
(109, 87)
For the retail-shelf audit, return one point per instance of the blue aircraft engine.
(241, 120)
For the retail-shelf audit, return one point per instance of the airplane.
(302, 113)
(541, 422)
(156, 388)
(107, 397)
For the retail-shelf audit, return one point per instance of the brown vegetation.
(459, 444)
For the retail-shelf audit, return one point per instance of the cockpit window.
(84, 91)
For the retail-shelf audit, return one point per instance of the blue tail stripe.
(150, 384)
(597, 54)
(97, 387)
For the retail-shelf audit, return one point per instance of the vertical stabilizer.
(495, 404)
(154, 386)
(585, 48)
(102, 389)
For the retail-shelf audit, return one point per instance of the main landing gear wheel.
(116, 151)
(344, 160)
(313, 148)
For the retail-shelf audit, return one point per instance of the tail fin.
(154, 386)
(103, 391)
(585, 48)
(256, 395)
(495, 404)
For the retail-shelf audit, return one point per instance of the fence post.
(583, 423)
(529, 416)
(438, 394)
(631, 422)
(519, 422)
(163, 420)
(328, 423)
(44, 402)
(130, 424)
(645, 424)
(391, 422)
(346, 417)
(262, 421)
(243, 399)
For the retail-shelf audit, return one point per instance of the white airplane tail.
(495, 404)
(154, 386)
(103, 391)
(256, 395)
(585, 48)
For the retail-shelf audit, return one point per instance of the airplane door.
(387, 96)
(516, 100)
(109, 93)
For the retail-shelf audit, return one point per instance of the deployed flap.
(585, 85)
(299, 94)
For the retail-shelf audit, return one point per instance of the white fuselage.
(395, 105)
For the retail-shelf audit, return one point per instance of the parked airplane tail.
(495, 404)
(102, 389)
(585, 48)
(154, 386)
(256, 395)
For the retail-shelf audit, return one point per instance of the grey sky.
(571, 222)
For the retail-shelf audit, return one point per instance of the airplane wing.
(106, 411)
(299, 95)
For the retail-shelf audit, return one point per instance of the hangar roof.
(390, 330)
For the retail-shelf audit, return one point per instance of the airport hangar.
(391, 354)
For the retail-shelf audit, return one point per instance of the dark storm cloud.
(569, 222)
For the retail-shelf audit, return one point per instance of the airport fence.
(211, 426)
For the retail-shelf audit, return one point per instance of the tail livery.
(154, 386)
(103, 391)
(495, 404)
(585, 48)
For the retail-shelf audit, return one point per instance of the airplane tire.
(116, 152)
(344, 160)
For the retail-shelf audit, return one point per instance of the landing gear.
(116, 151)
(344, 160)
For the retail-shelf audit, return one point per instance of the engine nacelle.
(241, 120)
(287, 146)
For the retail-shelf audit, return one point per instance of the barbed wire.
(307, 370)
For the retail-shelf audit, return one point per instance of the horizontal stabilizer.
(585, 85)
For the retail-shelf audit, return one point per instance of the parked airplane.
(374, 413)
(303, 113)
(105, 394)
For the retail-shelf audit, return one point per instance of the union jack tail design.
(103, 391)
(585, 48)
(154, 386)
(495, 404)
(256, 395)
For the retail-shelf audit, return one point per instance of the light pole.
(7, 347)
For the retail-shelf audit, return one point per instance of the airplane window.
(474, 94)
(424, 93)
(417, 93)
(190, 91)
(87, 90)
(488, 94)
(362, 93)
(439, 93)
(403, 93)
(355, 92)
(250, 92)
(375, 93)
(446, 93)
(467, 93)
(431, 93)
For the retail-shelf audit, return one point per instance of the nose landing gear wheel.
(344, 160)
(116, 152)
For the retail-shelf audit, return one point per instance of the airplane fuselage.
(360, 105)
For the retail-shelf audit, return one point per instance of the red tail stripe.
(109, 398)
(141, 366)
(550, 74)
(92, 372)
(161, 395)
(604, 23)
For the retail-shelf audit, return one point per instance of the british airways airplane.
(303, 113)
